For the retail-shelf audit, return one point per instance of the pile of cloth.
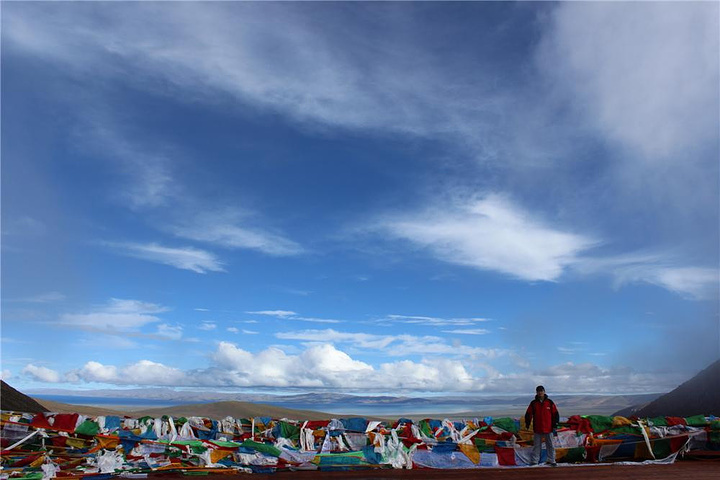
(55, 445)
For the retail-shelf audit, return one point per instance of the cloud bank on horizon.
(366, 197)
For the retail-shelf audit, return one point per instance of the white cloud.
(146, 372)
(250, 332)
(24, 226)
(468, 331)
(390, 345)
(186, 258)
(233, 330)
(122, 317)
(275, 313)
(40, 373)
(435, 321)
(97, 372)
(133, 306)
(691, 282)
(108, 321)
(661, 269)
(316, 320)
(207, 326)
(490, 233)
(297, 70)
(143, 372)
(173, 332)
(323, 365)
(117, 316)
(226, 230)
(645, 83)
(151, 183)
(5, 374)
(48, 297)
(201, 309)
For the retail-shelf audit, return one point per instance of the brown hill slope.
(11, 399)
(235, 409)
(698, 396)
(59, 407)
(216, 410)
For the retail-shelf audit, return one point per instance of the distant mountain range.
(511, 405)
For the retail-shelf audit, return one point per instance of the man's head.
(540, 391)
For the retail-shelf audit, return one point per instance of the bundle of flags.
(54, 445)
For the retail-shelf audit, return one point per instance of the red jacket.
(544, 415)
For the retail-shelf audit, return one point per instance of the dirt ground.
(681, 470)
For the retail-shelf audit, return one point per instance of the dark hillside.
(698, 396)
(11, 399)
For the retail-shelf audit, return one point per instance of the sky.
(406, 198)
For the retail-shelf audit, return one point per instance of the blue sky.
(403, 197)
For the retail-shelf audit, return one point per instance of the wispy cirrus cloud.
(433, 321)
(184, 258)
(662, 269)
(490, 233)
(230, 229)
(118, 315)
(391, 345)
(274, 313)
(48, 297)
(468, 331)
(619, 78)
(290, 315)
(172, 332)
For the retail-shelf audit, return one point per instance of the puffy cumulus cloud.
(490, 233)
(5, 374)
(430, 375)
(97, 372)
(184, 258)
(151, 373)
(649, 82)
(323, 365)
(207, 326)
(143, 372)
(40, 373)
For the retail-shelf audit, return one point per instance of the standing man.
(544, 415)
